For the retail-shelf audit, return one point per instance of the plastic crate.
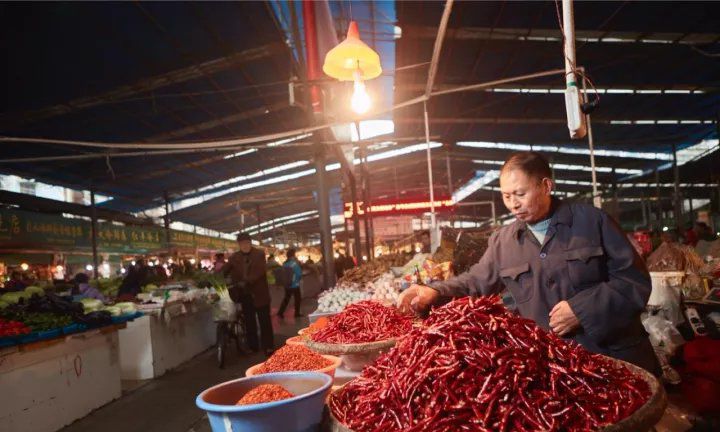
(73, 328)
(28, 338)
(8, 342)
(49, 334)
(120, 319)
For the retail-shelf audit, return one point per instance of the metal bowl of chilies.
(643, 419)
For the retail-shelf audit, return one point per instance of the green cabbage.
(126, 307)
(31, 290)
(12, 297)
(114, 310)
(91, 304)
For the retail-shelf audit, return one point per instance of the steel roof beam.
(188, 73)
(554, 35)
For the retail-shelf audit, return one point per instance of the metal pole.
(366, 203)
(314, 105)
(355, 217)
(166, 220)
(644, 210)
(597, 200)
(93, 232)
(449, 172)
(433, 222)
(658, 201)
(677, 203)
(259, 221)
(324, 210)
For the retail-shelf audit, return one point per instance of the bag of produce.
(91, 305)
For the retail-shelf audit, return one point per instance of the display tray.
(643, 419)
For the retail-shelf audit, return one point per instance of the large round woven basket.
(641, 420)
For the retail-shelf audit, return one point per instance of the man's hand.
(563, 319)
(417, 298)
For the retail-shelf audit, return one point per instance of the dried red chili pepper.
(476, 366)
(365, 321)
(265, 393)
(294, 358)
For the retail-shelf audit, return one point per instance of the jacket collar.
(561, 214)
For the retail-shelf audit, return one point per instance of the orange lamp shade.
(352, 55)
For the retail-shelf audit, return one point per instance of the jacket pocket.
(586, 265)
(518, 280)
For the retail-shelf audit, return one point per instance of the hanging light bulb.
(360, 101)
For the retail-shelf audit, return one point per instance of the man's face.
(245, 246)
(527, 198)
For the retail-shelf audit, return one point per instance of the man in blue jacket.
(569, 267)
(291, 280)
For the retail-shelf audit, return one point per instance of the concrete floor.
(167, 403)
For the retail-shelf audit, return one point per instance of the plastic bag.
(663, 333)
(224, 310)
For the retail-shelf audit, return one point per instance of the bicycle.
(226, 330)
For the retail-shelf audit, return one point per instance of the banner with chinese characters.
(29, 230)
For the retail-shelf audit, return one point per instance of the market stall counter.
(51, 383)
(165, 337)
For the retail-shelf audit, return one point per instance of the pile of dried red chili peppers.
(365, 321)
(475, 366)
(265, 393)
(294, 358)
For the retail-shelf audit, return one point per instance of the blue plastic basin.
(302, 413)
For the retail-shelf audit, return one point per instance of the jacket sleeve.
(606, 309)
(258, 268)
(481, 279)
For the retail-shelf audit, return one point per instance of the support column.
(367, 219)
(324, 211)
(93, 232)
(166, 220)
(677, 202)
(314, 107)
(658, 200)
(259, 221)
(355, 217)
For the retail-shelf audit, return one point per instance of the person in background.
(292, 278)
(340, 264)
(704, 232)
(691, 235)
(669, 236)
(219, 262)
(134, 280)
(82, 282)
(16, 282)
(247, 270)
(272, 266)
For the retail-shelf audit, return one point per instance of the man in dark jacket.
(249, 287)
(568, 266)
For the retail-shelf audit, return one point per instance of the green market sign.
(29, 230)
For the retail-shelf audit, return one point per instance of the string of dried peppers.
(362, 322)
(475, 366)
